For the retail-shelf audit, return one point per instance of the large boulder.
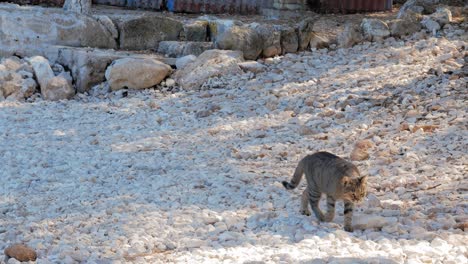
(58, 88)
(271, 39)
(136, 73)
(418, 6)
(32, 27)
(319, 41)
(196, 31)
(108, 24)
(352, 34)
(42, 70)
(216, 27)
(289, 40)
(21, 253)
(305, 33)
(145, 32)
(407, 25)
(209, 64)
(374, 29)
(442, 15)
(242, 38)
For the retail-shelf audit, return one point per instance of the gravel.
(173, 176)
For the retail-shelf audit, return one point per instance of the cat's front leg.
(348, 216)
(330, 208)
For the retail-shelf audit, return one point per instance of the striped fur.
(333, 176)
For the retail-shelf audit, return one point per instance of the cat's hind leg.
(330, 208)
(305, 203)
(314, 199)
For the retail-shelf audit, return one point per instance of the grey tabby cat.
(334, 176)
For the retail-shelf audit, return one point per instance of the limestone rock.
(109, 25)
(442, 16)
(360, 151)
(12, 63)
(136, 73)
(21, 253)
(271, 39)
(42, 70)
(216, 27)
(305, 33)
(400, 27)
(34, 27)
(210, 63)
(289, 40)
(374, 29)
(318, 42)
(184, 61)
(171, 48)
(252, 66)
(351, 35)
(183, 48)
(28, 87)
(431, 25)
(78, 6)
(10, 83)
(147, 31)
(196, 31)
(372, 221)
(57, 88)
(241, 38)
(88, 66)
(418, 6)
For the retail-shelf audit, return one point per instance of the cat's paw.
(349, 229)
(305, 212)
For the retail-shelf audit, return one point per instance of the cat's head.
(354, 189)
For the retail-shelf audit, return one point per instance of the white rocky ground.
(194, 177)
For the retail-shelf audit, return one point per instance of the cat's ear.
(363, 180)
(346, 181)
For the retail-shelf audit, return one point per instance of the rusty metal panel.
(216, 6)
(36, 2)
(351, 6)
(145, 4)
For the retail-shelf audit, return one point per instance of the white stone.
(252, 66)
(372, 221)
(170, 82)
(57, 88)
(211, 63)
(42, 70)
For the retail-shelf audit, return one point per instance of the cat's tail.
(296, 179)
